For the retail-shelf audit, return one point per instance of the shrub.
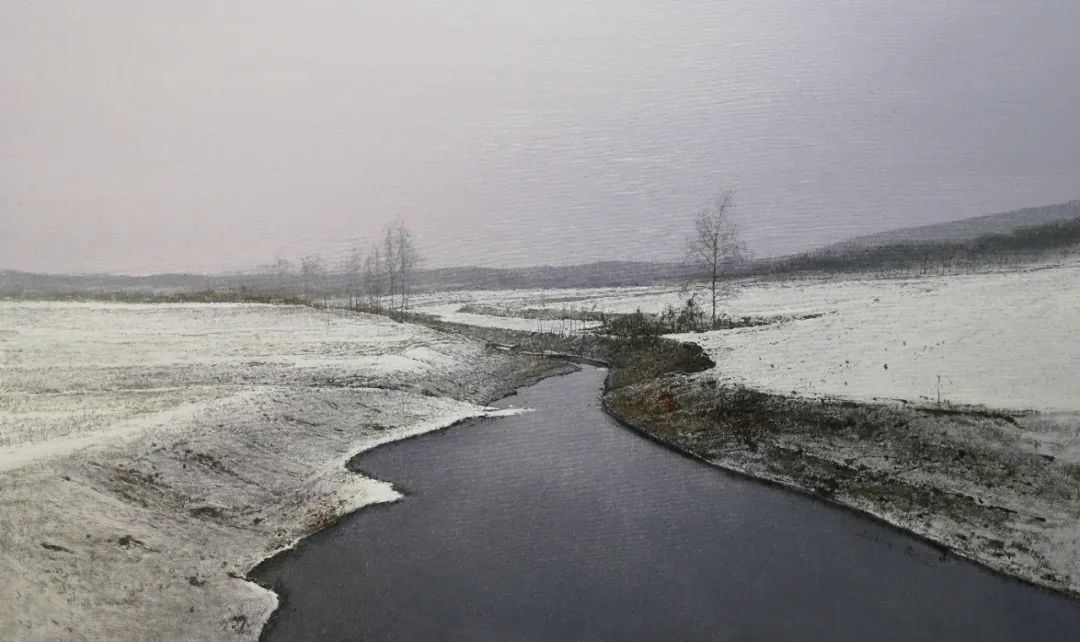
(637, 327)
(689, 318)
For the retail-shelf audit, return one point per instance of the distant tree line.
(281, 279)
(384, 274)
(378, 278)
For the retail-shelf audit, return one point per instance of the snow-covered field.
(1004, 340)
(447, 305)
(150, 455)
(74, 369)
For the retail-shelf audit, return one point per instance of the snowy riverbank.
(151, 455)
(1007, 339)
(843, 403)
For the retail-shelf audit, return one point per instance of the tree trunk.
(713, 288)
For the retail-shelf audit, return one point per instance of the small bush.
(689, 318)
(641, 327)
(637, 327)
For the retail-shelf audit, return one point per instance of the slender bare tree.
(389, 264)
(283, 268)
(713, 246)
(407, 258)
(352, 267)
(311, 273)
(373, 281)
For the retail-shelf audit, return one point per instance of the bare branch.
(713, 246)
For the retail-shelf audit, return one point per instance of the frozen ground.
(447, 305)
(150, 455)
(1006, 340)
(1003, 340)
(81, 368)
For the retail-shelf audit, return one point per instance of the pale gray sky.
(203, 135)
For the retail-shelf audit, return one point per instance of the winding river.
(562, 525)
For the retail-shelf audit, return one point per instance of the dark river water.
(562, 525)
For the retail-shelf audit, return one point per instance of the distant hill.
(88, 282)
(970, 228)
(1010, 238)
(603, 274)
(254, 285)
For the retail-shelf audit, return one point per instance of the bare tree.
(406, 259)
(388, 267)
(713, 246)
(373, 277)
(311, 273)
(352, 268)
(282, 268)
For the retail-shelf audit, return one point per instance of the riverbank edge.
(543, 367)
(152, 536)
(960, 523)
(982, 556)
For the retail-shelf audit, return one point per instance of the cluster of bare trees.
(378, 278)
